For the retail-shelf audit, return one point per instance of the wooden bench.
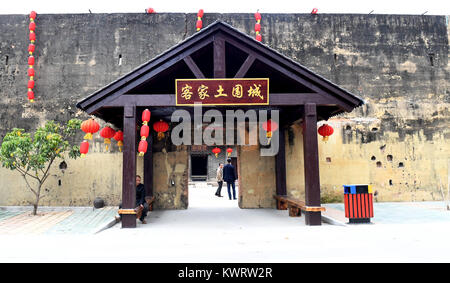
(138, 210)
(295, 206)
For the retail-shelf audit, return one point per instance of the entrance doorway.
(199, 167)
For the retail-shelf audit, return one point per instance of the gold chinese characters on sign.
(222, 91)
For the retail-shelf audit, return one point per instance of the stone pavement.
(55, 220)
(397, 212)
(88, 220)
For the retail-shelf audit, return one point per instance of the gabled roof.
(259, 52)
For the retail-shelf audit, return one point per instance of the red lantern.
(314, 11)
(32, 37)
(119, 138)
(31, 60)
(269, 126)
(32, 26)
(146, 114)
(229, 151)
(31, 96)
(160, 127)
(31, 48)
(32, 15)
(258, 27)
(84, 148)
(150, 10)
(142, 147)
(107, 133)
(145, 130)
(89, 127)
(325, 131)
(31, 72)
(30, 84)
(257, 16)
(199, 25)
(216, 151)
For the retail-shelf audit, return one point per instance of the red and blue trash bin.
(358, 201)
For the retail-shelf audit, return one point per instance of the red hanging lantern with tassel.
(31, 48)
(119, 138)
(107, 133)
(199, 23)
(216, 151)
(325, 131)
(258, 26)
(229, 151)
(160, 127)
(269, 126)
(90, 127)
(142, 148)
(145, 131)
(84, 148)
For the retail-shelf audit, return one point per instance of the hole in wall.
(373, 158)
(335, 57)
(379, 164)
(6, 60)
(328, 159)
(431, 57)
(374, 129)
(120, 59)
(59, 182)
(390, 182)
(63, 165)
(389, 157)
(401, 165)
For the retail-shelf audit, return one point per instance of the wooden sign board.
(222, 91)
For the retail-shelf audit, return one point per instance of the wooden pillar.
(280, 165)
(219, 57)
(311, 161)
(148, 168)
(129, 166)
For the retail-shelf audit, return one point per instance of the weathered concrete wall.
(397, 63)
(256, 178)
(170, 182)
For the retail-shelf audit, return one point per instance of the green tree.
(33, 156)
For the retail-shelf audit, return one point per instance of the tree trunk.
(35, 205)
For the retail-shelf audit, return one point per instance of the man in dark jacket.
(141, 204)
(229, 176)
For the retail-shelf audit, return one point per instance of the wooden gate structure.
(221, 51)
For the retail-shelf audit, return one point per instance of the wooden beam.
(275, 99)
(253, 47)
(245, 66)
(219, 57)
(131, 84)
(129, 166)
(311, 164)
(193, 67)
(148, 168)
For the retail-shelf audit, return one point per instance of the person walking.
(229, 176)
(219, 178)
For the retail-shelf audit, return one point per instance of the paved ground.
(216, 230)
(55, 220)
